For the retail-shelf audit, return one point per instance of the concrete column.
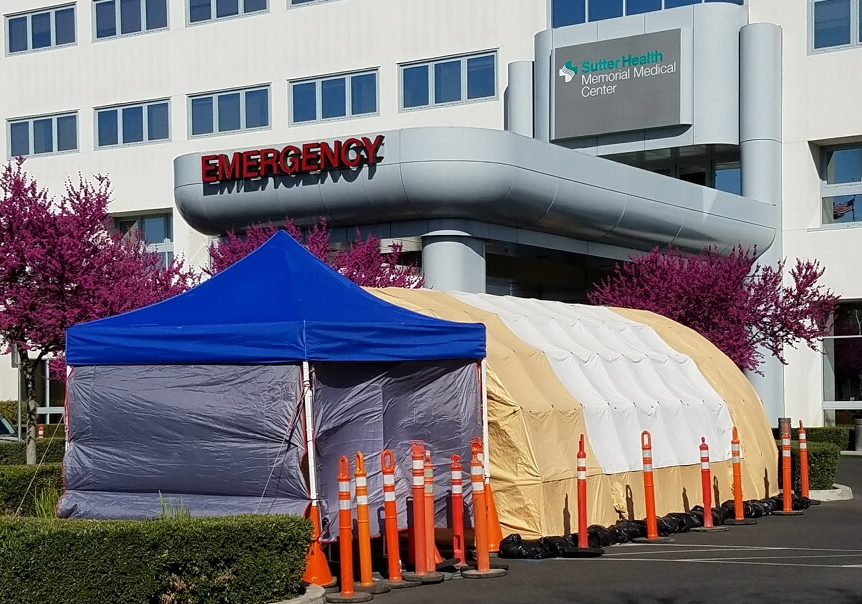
(760, 150)
(544, 43)
(518, 99)
(453, 261)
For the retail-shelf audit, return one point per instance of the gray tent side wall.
(223, 439)
(370, 407)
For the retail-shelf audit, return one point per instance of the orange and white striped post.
(457, 499)
(363, 524)
(480, 524)
(583, 550)
(649, 486)
(706, 487)
(803, 461)
(738, 512)
(345, 539)
(786, 479)
(583, 542)
(421, 571)
(41, 431)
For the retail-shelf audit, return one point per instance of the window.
(832, 23)
(207, 10)
(841, 184)
(229, 111)
(572, 12)
(727, 177)
(130, 124)
(842, 359)
(156, 229)
(349, 95)
(454, 80)
(39, 30)
(304, 2)
(43, 135)
(124, 17)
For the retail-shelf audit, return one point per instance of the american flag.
(839, 209)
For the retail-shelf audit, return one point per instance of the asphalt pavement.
(816, 557)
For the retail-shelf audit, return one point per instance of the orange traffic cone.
(316, 567)
(495, 533)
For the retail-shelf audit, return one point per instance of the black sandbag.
(554, 546)
(676, 523)
(627, 530)
(805, 502)
(515, 547)
(592, 540)
(605, 537)
(691, 520)
(751, 509)
(761, 507)
(665, 526)
(770, 505)
(719, 515)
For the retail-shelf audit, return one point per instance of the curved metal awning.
(488, 175)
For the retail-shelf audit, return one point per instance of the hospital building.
(516, 147)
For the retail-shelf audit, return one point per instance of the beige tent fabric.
(535, 422)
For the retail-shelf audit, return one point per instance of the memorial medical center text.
(602, 77)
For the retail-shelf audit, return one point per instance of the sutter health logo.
(605, 76)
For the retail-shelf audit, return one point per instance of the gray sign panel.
(617, 85)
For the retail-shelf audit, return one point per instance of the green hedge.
(837, 435)
(14, 481)
(9, 409)
(230, 560)
(823, 460)
(15, 453)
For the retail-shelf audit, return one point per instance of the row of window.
(423, 85)
(836, 23)
(46, 28)
(572, 12)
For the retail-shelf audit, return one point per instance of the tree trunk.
(28, 369)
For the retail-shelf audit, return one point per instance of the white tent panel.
(626, 378)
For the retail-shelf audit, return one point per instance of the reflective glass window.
(19, 135)
(157, 14)
(67, 133)
(447, 81)
(831, 23)
(333, 101)
(64, 26)
(200, 10)
(133, 124)
(363, 93)
(257, 108)
(130, 16)
(157, 121)
(202, 115)
(480, 77)
(636, 7)
(568, 12)
(227, 8)
(415, 86)
(228, 112)
(844, 165)
(304, 102)
(106, 19)
(40, 30)
(678, 3)
(17, 32)
(606, 9)
(108, 128)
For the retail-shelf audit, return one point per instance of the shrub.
(9, 409)
(228, 560)
(14, 483)
(823, 460)
(837, 435)
(15, 453)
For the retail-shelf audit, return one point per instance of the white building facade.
(499, 165)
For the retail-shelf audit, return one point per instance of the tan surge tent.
(556, 371)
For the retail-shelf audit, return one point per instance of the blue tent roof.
(279, 304)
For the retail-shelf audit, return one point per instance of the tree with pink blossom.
(363, 263)
(60, 264)
(739, 307)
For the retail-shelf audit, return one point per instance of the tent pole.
(487, 460)
(309, 432)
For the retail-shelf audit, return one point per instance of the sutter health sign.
(617, 85)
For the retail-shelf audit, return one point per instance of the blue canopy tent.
(216, 396)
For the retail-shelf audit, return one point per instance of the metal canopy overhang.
(488, 175)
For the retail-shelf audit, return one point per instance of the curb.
(314, 594)
(838, 493)
(852, 453)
